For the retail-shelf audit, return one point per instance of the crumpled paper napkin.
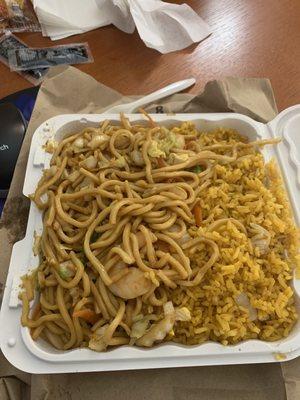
(162, 26)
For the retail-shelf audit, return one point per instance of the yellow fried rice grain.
(253, 193)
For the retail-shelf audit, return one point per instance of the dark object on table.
(1, 205)
(24, 101)
(12, 131)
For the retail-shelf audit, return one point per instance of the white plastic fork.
(157, 95)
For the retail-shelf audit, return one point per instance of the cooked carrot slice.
(197, 211)
(86, 314)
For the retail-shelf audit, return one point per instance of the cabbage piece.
(90, 162)
(73, 176)
(79, 144)
(96, 341)
(178, 158)
(139, 327)
(120, 162)
(168, 308)
(243, 300)
(98, 141)
(75, 293)
(261, 238)
(182, 314)
(65, 270)
(137, 158)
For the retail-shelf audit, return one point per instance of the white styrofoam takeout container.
(39, 357)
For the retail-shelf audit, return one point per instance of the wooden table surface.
(257, 38)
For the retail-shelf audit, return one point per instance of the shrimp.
(131, 282)
(159, 331)
(131, 285)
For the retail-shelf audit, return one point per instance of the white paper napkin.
(162, 26)
(62, 18)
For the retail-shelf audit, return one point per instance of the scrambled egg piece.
(161, 148)
(155, 150)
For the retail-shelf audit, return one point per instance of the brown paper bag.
(67, 90)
